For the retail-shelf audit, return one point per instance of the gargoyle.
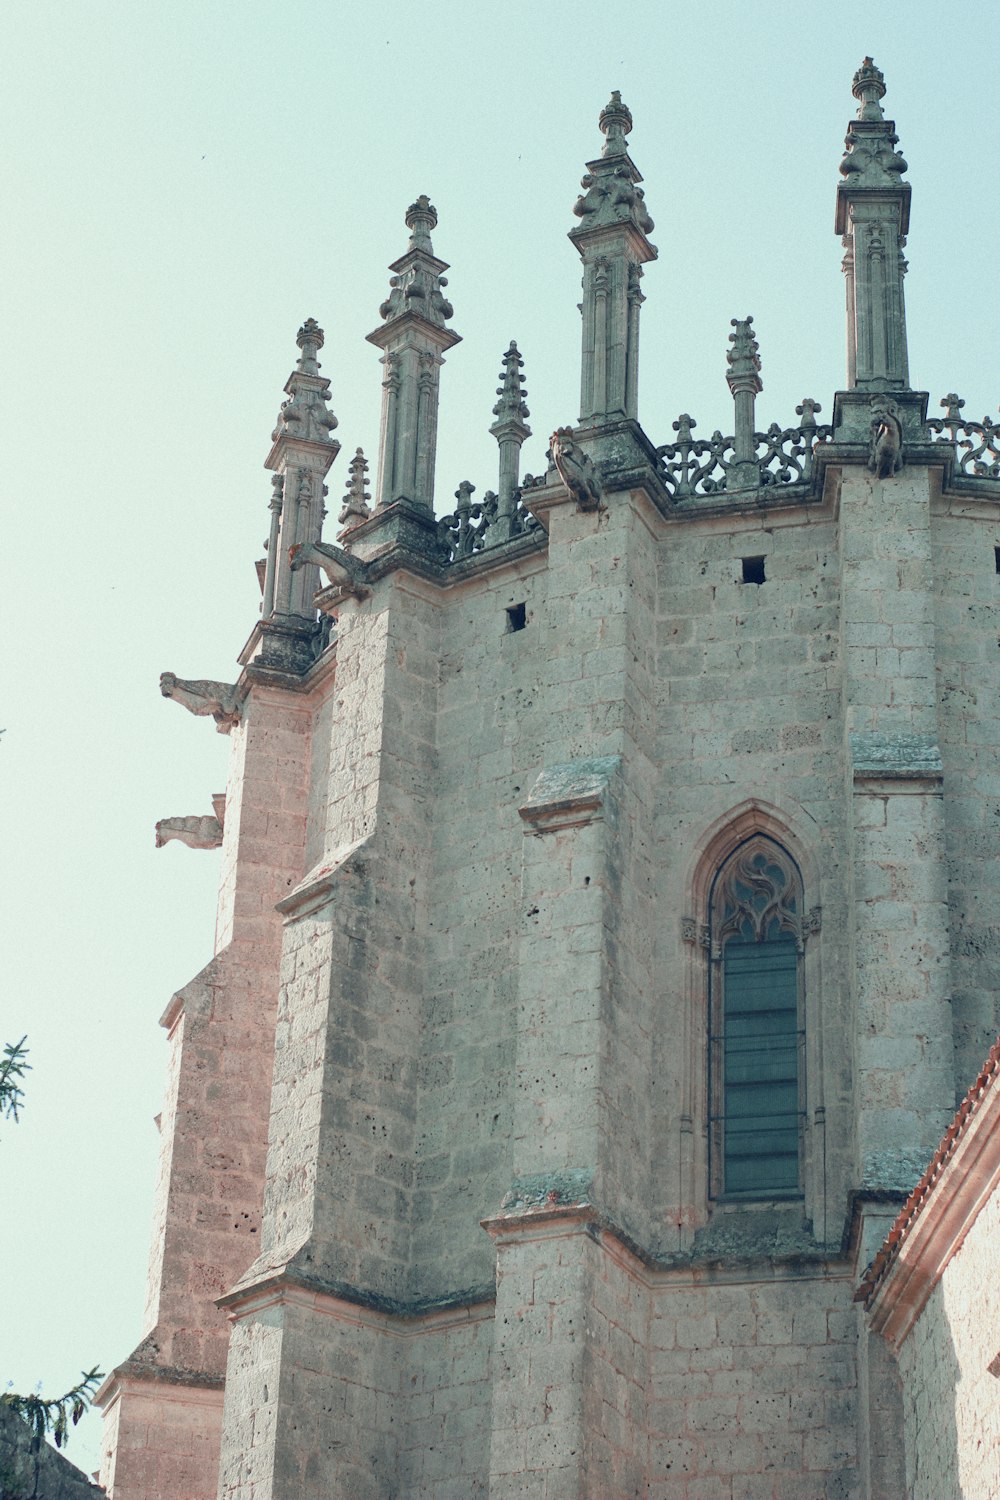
(197, 833)
(202, 696)
(343, 570)
(885, 457)
(575, 469)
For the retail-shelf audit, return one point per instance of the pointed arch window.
(756, 1031)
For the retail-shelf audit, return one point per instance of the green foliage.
(56, 1415)
(13, 1066)
(41, 1416)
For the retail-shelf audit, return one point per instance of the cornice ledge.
(570, 793)
(571, 1214)
(138, 1371)
(260, 674)
(316, 889)
(195, 997)
(292, 1280)
(526, 545)
(768, 497)
(878, 755)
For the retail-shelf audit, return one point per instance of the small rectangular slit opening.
(517, 617)
(996, 558)
(753, 570)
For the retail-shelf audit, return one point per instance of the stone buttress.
(520, 795)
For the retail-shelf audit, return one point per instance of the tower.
(587, 998)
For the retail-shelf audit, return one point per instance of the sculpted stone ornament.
(203, 696)
(342, 570)
(612, 195)
(355, 507)
(305, 415)
(612, 239)
(575, 469)
(416, 286)
(873, 212)
(885, 457)
(413, 336)
(870, 157)
(195, 832)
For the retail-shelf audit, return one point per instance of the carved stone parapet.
(976, 445)
(691, 467)
(203, 696)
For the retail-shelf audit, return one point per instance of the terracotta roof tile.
(914, 1205)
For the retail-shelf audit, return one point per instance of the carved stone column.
(613, 244)
(302, 453)
(873, 211)
(743, 379)
(510, 430)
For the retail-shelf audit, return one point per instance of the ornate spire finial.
(743, 358)
(873, 211)
(303, 450)
(413, 338)
(421, 218)
(870, 160)
(868, 87)
(310, 340)
(355, 507)
(510, 430)
(612, 238)
(305, 414)
(416, 286)
(743, 379)
(511, 405)
(616, 122)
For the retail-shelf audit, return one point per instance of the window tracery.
(756, 1034)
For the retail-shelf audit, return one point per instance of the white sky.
(184, 184)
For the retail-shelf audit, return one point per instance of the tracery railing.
(478, 525)
(700, 466)
(976, 444)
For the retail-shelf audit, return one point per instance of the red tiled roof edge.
(914, 1205)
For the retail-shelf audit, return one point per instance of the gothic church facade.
(606, 933)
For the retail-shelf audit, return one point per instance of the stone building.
(606, 931)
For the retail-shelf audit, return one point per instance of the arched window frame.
(808, 845)
(756, 901)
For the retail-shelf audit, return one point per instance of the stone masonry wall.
(951, 1406)
(45, 1474)
(488, 692)
(207, 1214)
(753, 1389)
(968, 680)
(419, 996)
(899, 963)
(749, 685)
(443, 1441)
(394, 1406)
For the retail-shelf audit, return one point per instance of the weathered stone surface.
(483, 840)
(42, 1473)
